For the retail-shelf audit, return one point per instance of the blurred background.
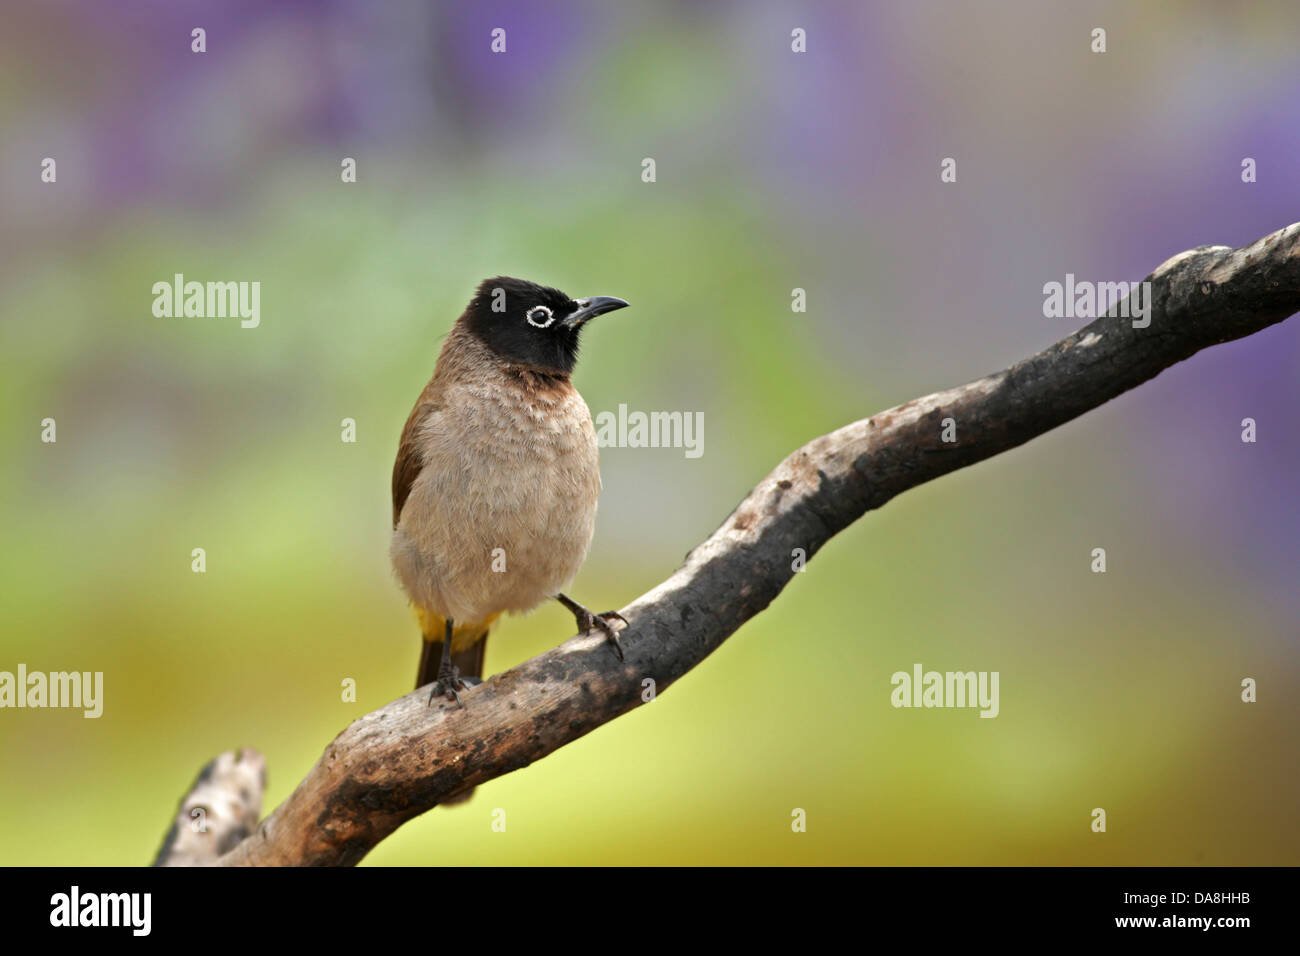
(775, 170)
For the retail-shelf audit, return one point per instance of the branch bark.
(405, 758)
(220, 810)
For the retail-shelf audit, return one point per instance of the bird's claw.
(447, 685)
(588, 622)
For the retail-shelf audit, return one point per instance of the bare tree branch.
(399, 761)
(220, 810)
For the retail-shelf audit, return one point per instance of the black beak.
(590, 308)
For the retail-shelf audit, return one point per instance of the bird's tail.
(468, 661)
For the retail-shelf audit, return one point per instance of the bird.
(497, 477)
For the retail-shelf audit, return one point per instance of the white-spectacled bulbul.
(497, 476)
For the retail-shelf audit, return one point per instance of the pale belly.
(503, 511)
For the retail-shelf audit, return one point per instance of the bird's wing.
(409, 459)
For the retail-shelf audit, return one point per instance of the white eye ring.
(539, 310)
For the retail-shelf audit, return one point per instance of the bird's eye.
(539, 316)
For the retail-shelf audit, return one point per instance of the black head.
(532, 324)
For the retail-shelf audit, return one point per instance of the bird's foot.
(449, 682)
(588, 622)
